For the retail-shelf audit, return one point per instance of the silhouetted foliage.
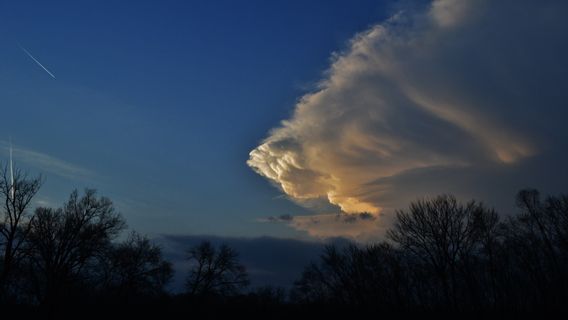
(16, 191)
(447, 255)
(536, 250)
(354, 276)
(65, 244)
(269, 296)
(439, 255)
(135, 268)
(215, 271)
(446, 238)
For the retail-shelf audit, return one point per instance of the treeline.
(56, 256)
(444, 255)
(439, 255)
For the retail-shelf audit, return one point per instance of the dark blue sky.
(157, 104)
(185, 112)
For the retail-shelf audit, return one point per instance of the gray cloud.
(463, 97)
(269, 261)
(362, 227)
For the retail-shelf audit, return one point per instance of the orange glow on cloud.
(407, 97)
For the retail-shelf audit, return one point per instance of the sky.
(157, 104)
(302, 120)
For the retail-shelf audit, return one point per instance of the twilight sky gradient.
(363, 106)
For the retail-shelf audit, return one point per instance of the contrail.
(12, 187)
(34, 59)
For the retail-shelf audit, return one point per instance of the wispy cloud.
(434, 100)
(46, 163)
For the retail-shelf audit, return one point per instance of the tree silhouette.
(536, 248)
(370, 275)
(135, 268)
(269, 296)
(215, 271)
(440, 254)
(445, 236)
(447, 255)
(63, 243)
(17, 191)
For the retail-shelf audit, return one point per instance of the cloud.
(280, 218)
(46, 163)
(453, 98)
(269, 261)
(361, 227)
(449, 13)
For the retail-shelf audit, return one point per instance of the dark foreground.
(179, 309)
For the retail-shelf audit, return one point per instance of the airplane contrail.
(12, 188)
(38, 63)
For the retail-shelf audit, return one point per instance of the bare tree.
(444, 235)
(64, 242)
(537, 240)
(17, 191)
(372, 275)
(135, 267)
(215, 271)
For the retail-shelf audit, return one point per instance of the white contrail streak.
(12, 187)
(38, 63)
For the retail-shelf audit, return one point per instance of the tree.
(537, 243)
(445, 236)
(63, 243)
(17, 191)
(215, 271)
(135, 268)
(268, 296)
(374, 275)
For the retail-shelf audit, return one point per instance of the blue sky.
(157, 104)
(252, 118)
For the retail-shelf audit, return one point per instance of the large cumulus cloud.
(452, 98)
